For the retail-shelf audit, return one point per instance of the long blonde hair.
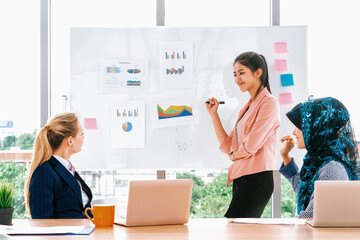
(47, 141)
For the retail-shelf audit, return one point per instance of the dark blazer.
(55, 193)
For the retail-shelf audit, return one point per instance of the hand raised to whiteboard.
(213, 106)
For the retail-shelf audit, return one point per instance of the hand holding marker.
(220, 102)
(212, 105)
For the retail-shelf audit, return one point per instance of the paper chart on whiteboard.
(124, 76)
(173, 112)
(128, 124)
(176, 65)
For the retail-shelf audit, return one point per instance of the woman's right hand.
(286, 148)
(212, 107)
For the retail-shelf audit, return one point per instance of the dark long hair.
(254, 61)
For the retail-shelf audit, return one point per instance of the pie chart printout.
(127, 126)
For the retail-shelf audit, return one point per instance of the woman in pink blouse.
(251, 145)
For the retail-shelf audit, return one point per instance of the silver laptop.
(158, 202)
(336, 204)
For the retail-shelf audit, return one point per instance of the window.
(66, 14)
(20, 67)
(333, 48)
(19, 91)
(333, 52)
(217, 13)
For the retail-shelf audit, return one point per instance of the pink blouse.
(258, 135)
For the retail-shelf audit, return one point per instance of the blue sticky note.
(287, 80)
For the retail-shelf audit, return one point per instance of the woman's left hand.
(288, 145)
(231, 156)
(286, 148)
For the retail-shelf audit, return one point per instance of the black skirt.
(251, 193)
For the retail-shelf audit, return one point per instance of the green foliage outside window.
(212, 200)
(15, 174)
(208, 200)
(8, 142)
(288, 199)
(25, 141)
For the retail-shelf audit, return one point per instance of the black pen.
(220, 102)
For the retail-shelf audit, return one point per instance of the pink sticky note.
(281, 47)
(285, 98)
(280, 65)
(90, 123)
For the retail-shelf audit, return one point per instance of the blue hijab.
(328, 136)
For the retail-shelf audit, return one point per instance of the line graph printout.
(128, 124)
(176, 65)
(173, 112)
(124, 76)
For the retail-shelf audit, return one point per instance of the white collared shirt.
(67, 165)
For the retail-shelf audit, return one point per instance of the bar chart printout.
(124, 76)
(128, 124)
(176, 65)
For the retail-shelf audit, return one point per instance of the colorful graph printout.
(133, 83)
(176, 65)
(127, 112)
(134, 71)
(128, 124)
(125, 76)
(173, 112)
(172, 55)
(112, 70)
(175, 70)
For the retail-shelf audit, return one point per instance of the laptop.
(336, 204)
(158, 202)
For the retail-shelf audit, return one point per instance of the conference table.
(205, 228)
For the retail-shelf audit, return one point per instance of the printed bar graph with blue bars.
(175, 70)
(175, 56)
(127, 113)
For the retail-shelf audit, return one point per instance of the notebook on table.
(158, 202)
(58, 230)
(336, 204)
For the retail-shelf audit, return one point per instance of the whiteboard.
(190, 146)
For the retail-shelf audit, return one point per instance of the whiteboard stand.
(160, 174)
(276, 197)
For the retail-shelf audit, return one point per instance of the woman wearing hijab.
(323, 128)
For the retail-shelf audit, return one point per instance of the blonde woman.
(53, 188)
